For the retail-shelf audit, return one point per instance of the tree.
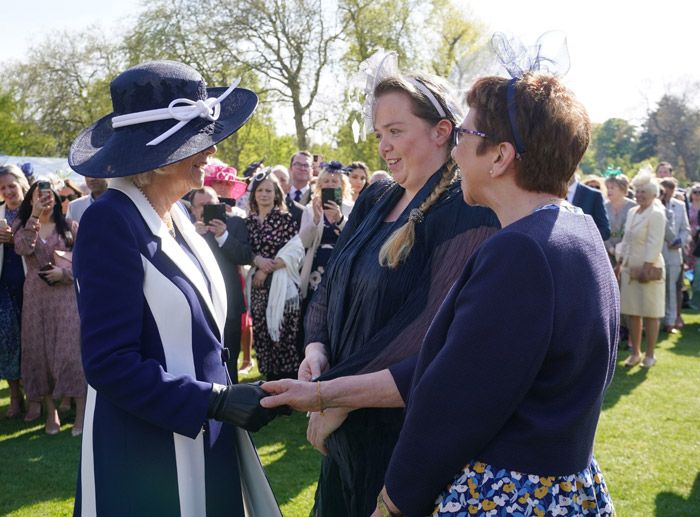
(288, 44)
(64, 83)
(21, 137)
(676, 126)
(615, 142)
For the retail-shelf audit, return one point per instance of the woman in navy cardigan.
(153, 305)
(503, 400)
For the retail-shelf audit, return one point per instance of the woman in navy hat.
(152, 305)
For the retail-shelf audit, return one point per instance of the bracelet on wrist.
(383, 508)
(320, 400)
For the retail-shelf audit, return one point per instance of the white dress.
(642, 242)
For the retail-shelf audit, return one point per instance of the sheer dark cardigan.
(370, 317)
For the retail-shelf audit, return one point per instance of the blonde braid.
(397, 247)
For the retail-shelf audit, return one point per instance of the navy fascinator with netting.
(549, 54)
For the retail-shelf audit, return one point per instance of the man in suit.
(295, 208)
(676, 236)
(229, 243)
(77, 207)
(300, 171)
(591, 202)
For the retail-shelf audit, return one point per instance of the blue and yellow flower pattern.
(483, 490)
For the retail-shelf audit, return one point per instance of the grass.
(648, 445)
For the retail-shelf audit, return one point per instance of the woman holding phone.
(51, 367)
(13, 188)
(277, 253)
(321, 223)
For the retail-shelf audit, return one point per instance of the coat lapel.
(206, 258)
(172, 249)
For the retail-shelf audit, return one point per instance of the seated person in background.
(228, 240)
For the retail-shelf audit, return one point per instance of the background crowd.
(272, 232)
(39, 220)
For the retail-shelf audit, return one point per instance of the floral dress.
(281, 358)
(51, 363)
(481, 489)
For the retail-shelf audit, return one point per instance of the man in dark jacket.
(228, 241)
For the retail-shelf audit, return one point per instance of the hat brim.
(103, 152)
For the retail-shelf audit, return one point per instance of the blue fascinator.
(549, 54)
(334, 167)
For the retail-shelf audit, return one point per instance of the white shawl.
(284, 289)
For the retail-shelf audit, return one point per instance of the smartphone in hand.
(214, 211)
(332, 194)
(44, 187)
(43, 270)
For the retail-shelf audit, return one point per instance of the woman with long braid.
(393, 264)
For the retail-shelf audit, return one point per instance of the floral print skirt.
(481, 489)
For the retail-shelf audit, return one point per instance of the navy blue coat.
(592, 203)
(152, 317)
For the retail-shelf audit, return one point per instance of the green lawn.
(648, 445)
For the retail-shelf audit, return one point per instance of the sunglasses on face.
(457, 133)
(70, 197)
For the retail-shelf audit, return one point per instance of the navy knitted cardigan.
(514, 367)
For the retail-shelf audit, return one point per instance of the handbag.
(642, 275)
(258, 499)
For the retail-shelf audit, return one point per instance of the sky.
(624, 54)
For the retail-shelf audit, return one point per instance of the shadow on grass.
(669, 504)
(36, 467)
(688, 343)
(296, 463)
(624, 382)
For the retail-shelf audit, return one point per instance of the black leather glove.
(239, 405)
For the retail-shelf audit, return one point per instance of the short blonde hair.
(344, 184)
(20, 178)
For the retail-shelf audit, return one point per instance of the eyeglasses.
(457, 133)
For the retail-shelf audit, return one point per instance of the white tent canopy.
(43, 166)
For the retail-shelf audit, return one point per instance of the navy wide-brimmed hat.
(163, 113)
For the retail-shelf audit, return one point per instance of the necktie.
(297, 196)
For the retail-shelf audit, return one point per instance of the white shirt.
(293, 191)
(572, 191)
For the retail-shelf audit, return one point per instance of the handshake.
(239, 404)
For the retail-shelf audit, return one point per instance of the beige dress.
(642, 242)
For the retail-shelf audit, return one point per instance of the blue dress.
(11, 287)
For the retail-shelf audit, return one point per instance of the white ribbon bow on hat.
(208, 109)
